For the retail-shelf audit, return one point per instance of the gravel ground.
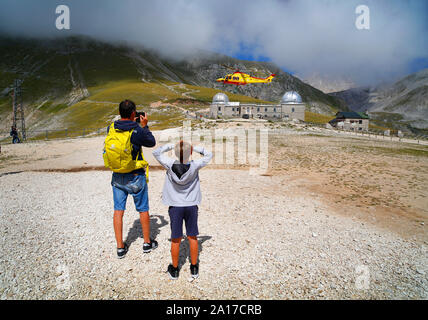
(259, 239)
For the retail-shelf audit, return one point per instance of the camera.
(138, 114)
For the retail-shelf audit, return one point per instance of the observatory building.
(290, 107)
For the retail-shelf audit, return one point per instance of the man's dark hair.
(126, 107)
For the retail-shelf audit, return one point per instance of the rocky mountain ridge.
(406, 100)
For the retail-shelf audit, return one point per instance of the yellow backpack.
(117, 153)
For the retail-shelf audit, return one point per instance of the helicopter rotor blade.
(234, 69)
(227, 67)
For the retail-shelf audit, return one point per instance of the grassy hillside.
(77, 83)
(100, 108)
(317, 118)
(139, 92)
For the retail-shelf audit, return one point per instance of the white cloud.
(305, 36)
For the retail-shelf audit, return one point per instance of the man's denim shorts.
(135, 185)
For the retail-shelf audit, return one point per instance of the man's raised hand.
(144, 120)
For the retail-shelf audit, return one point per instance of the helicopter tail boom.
(271, 77)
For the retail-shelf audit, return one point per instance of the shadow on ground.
(185, 250)
(7, 173)
(156, 223)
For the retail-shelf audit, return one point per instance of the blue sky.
(246, 53)
(303, 36)
(418, 64)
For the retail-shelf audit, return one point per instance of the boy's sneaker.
(194, 270)
(147, 247)
(173, 272)
(121, 252)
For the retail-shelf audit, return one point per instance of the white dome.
(291, 97)
(220, 98)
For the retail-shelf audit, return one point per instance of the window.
(233, 109)
(258, 109)
(292, 109)
(219, 108)
(274, 109)
(360, 122)
(265, 109)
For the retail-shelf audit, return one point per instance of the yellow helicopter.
(240, 78)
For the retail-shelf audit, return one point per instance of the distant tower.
(18, 108)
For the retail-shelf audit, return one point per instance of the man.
(14, 135)
(123, 155)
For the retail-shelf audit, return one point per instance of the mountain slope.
(405, 100)
(327, 83)
(207, 67)
(64, 78)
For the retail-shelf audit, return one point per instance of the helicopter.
(240, 78)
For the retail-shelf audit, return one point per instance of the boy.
(181, 192)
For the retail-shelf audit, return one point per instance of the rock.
(420, 271)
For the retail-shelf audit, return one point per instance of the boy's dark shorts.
(190, 217)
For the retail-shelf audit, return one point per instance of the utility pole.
(18, 108)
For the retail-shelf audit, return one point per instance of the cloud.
(304, 36)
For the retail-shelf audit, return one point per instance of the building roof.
(220, 98)
(291, 97)
(351, 115)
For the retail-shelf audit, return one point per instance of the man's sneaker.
(147, 247)
(121, 252)
(194, 270)
(173, 272)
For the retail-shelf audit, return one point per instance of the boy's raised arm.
(165, 161)
(207, 156)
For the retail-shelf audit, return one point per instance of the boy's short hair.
(183, 150)
(126, 107)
